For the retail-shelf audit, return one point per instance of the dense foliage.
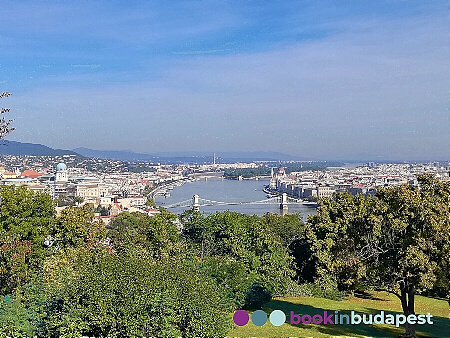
(26, 219)
(70, 275)
(131, 294)
(248, 256)
(397, 241)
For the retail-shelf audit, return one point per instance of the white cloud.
(380, 86)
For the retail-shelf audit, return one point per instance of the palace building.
(60, 185)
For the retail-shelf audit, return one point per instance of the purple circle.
(241, 317)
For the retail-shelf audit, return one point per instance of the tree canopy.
(396, 241)
(70, 275)
(242, 251)
(26, 219)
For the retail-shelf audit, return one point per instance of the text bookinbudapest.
(336, 318)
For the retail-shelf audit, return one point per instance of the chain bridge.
(196, 202)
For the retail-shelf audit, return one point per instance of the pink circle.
(241, 317)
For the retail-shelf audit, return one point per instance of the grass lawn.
(379, 301)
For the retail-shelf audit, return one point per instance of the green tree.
(396, 241)
(128, 294)
(245, 239)
(232, 277)
(78, 200)
(150, 202)
(155, 234)
(24, 313)
(76, 227)
(26, 220)
(14, 318)
(291, 230)
(102, 210)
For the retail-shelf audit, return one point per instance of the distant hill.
(115, 155)
(255, 155)
(186, 157)
(19, 148)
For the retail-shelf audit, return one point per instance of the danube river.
(223, 190)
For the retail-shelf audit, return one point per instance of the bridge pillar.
(284, 202)
(195, 203)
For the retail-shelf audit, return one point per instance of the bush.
(14, 318)
(256, 296)
(313, 290)
(245, 239)
(129, 294)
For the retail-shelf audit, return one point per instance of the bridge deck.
(205, 202)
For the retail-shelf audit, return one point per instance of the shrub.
(128, 294)
(256, 296)
(313, 290)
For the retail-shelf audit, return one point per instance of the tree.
(76, 227)
(396, 241)
(245, 239)
(291, 230)
(128, 294)
(26, 219)
(155, 234)
(5, 125)
(23, 313)
(150, 202)
(102, 210)
(78, 200)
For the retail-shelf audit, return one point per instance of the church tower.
(61, 173)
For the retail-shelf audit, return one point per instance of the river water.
(223, 190)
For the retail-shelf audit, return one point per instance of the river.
(223, 190)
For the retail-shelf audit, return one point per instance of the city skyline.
(319, 80)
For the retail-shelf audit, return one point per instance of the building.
(61, 173)
(31, 174)
(324, 191)
(9, 174)
(60, 185)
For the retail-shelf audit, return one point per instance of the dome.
(61, 166)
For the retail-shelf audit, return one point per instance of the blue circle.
(277, 318)
(259, 318)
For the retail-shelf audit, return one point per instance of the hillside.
(19, 148)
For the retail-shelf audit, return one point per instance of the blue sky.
(319, 79)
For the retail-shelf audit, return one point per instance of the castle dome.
(61, 166)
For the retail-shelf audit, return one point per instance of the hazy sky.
(321, 79)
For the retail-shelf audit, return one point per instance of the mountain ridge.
(33, 149)
(179, 156)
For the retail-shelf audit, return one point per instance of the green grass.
(379, 301)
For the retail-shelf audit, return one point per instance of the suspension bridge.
(196, 202)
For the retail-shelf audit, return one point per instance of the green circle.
(259, 318)
(277, 318)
